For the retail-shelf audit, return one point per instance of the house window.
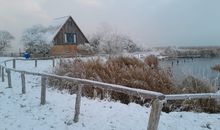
(70, 38)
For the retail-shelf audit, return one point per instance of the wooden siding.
(58, 50)
(69, 27)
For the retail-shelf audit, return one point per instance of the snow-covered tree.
(106, 40)
(5, 39)
(94, 41)
(112, 43)
(35, 41)
(85, 48)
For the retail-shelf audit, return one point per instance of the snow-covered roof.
(54, 27)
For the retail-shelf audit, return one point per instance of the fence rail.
(193, 96)
(158, 98)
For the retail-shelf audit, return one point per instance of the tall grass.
(127, 71)
(134, 73)
(193, 85)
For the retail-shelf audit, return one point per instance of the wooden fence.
(158, 98)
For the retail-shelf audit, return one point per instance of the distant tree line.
(189, 52)
(104, 41)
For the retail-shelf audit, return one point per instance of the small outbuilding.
(64, 35)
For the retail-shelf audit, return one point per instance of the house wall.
(59, 50)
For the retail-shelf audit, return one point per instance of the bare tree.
(35, 41)
(5, 39)
(107, 40)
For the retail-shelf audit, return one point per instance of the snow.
(24, 112)
(144, 54)
(59, 21)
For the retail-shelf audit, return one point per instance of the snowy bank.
(23, 112)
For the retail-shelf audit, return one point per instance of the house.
(65, 35)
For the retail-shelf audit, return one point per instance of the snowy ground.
(23, 112)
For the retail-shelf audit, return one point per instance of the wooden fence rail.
(193, 96)
(158, 98)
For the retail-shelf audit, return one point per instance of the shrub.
(151, 61)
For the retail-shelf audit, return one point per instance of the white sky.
(151, 22)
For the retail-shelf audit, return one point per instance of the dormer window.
(70, 38)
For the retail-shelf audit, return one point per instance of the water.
(197, 67)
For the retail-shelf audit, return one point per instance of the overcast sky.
(150, 22)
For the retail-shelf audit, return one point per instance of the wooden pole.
(14, 63)
(43, 90)
(0, 70)
(3, 75)
(156, 108)
(36, 63)
(9, 78)
(60, 61)
(53, 62)
(23, 83)
(77, 104)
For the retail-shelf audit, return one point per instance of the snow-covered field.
(24, 112)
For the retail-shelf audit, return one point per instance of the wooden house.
(64, 35)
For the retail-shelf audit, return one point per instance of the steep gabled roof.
(87, 41)
(56, 25)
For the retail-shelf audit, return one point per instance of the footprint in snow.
(208, 126)
(6, 116)
(69, 122)
(22, 106)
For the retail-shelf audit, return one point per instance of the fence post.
(77, 103)
(154, 118)
(60, 61)
(14, 63)
(53, 62)
(23, 83)
(43, 90)
(0, 70)
(3, 75)
(9, 78)
(35, 62)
